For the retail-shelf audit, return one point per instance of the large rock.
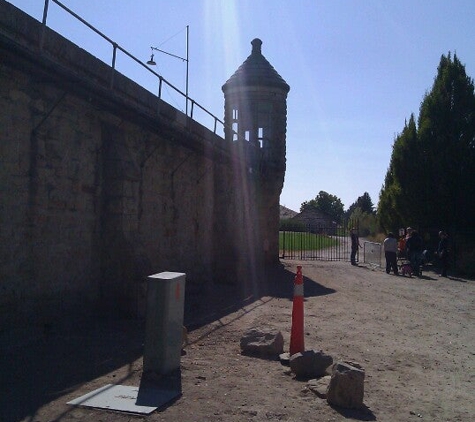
(346, 388)
(310, 364)
(262, 342)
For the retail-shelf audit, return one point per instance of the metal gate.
(315, 242)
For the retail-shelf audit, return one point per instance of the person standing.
(443, 253)
(355, 244)
(414, 251)
(401, 247)
(390, 253)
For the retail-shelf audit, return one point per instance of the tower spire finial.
(256, 46)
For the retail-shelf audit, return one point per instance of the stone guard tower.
(256, 122)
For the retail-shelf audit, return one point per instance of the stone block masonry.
(98, 189)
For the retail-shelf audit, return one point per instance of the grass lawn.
(302, 241)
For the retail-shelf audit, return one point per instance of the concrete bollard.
(164, 323)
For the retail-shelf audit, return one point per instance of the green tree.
(398, 198)
(447, 137)
(367, 222)
(430, 177)
(362, 211)
(363, 202)
(326, 203)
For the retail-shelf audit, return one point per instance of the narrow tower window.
(235, 131)
(260, 136)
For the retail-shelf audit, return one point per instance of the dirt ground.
(415, 338)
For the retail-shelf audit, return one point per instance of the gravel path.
(414, 337)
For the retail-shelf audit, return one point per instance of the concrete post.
(164, 323)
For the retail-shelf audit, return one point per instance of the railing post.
(45, 11)
(283, 244)
(45, 16)
(114, 56)
(160, 87)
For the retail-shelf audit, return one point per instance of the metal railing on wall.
(116, 47)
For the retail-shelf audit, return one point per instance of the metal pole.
(114, 56)
(45, 16)
(45, 11)
(187, 66)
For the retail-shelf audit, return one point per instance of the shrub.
(292, 225)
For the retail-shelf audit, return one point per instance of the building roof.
(256, 71)
(286, 213)
(312, 216)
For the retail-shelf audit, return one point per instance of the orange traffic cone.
(296, 334)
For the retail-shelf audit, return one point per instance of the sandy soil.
(414, 337)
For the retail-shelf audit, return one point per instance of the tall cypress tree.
(447, 134)
(431, 176)
(398, 199)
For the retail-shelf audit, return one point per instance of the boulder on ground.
(346, 388)
(310, 364)
(265, 342)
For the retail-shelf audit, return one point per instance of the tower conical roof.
(256, 71)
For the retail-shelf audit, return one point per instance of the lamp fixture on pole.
(152, 62)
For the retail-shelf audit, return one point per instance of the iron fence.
(316, 242)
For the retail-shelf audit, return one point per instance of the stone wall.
(101, 186)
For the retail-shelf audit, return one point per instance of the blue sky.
(356, 68)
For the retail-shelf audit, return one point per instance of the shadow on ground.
(363, 414)
(213, 302)
(38, 368)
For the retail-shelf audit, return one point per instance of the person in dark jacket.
(355, 244)
(414, 251)
(443, 253)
